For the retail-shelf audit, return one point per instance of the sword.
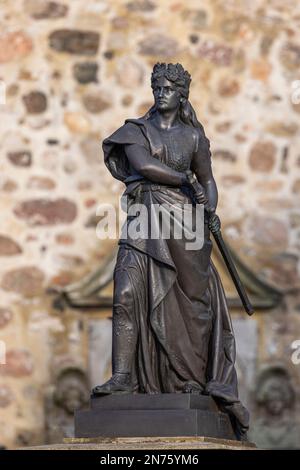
(198, 193)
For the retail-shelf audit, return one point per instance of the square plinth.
(145, 415)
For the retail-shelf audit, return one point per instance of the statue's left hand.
(214, 223)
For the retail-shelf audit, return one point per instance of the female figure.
(171, 327)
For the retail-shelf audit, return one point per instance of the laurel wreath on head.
(175, 73)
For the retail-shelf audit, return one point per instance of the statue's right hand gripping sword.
(201, 199)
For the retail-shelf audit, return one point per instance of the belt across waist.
(146, 186)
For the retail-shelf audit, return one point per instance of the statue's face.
(166, 97)
(275, 406)
(72, 393)
(275, 397)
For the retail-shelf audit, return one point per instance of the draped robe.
(177, 299)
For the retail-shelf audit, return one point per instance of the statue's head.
(71, 391)
(275, 391)
(170, 84)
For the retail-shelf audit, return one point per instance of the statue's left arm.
(201, 166)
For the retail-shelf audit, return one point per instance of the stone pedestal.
(146, 444)
(144, 415)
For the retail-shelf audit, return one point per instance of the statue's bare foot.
(118, 383)
(192, 387)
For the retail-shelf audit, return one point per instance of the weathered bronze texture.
(172, 331)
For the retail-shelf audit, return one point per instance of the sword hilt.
(199, 192)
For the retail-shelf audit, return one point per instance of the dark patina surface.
(172, 332)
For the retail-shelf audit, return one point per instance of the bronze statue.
(172, 331)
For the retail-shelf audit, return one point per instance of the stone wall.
(71, 72)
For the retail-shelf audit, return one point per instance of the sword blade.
(233, 273)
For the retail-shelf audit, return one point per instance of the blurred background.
(71, 72)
